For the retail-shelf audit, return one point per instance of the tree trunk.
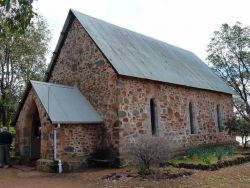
(245, 143)
(5, 117)
(4, 111)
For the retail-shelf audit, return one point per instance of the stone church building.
(107, 80)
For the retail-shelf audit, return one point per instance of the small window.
(192, 118)
(153, 114)
(219, 119)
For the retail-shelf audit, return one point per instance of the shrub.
(147, 149)
(219, 153)
(141, 169)
(231, 151)
(191, 153)
(206, 157)
(170, 170)
(204, 154)
(12, 131)
(239, 126)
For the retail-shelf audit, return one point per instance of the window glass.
(219, 119)
(192, 118)
(153, 116)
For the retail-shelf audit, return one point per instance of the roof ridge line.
(53, 84)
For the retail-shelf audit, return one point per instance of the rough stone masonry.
(124, 104)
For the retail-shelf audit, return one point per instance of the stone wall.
(24, 126)
(76, 142)
(123, 103)
(81, 63)
(172, 108)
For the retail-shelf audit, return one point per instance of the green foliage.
(141, 169)
(170, 170)
(16, 15)
(229, 57)
(207, 155)
(12, 153)
(203, 154)
(21, 47)
(238, 126)
(12, 131)
(230, 151)
(219, 153)
(22, 57)
(191, 153)
(206, 158)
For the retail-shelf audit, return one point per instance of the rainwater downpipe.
(55, 149)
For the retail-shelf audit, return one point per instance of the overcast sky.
(188, 24)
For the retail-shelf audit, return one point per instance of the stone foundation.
(45, 165)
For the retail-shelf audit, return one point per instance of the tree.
(229, 57)
(22, 57)
(239, 126)
(16, 15)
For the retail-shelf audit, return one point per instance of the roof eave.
(77, 122)
(59, 45)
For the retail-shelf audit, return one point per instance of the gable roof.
(136, 55)
(65, 104)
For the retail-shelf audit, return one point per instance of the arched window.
(153, 114)
(192, 118)
(219, 119)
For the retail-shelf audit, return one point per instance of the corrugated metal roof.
(136, 55)
(65, 104)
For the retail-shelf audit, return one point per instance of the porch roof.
(65, 104)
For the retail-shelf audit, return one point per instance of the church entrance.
(35, 137)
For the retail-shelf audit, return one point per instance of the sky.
(188, 24)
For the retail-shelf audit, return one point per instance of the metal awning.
(65, 104)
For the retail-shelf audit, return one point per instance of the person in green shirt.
(5, 142)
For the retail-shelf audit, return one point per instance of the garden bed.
(209, 159)
(169, 172)
(213, 166)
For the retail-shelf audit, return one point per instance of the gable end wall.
(81, 64)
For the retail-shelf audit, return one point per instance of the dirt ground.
(25, 177)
